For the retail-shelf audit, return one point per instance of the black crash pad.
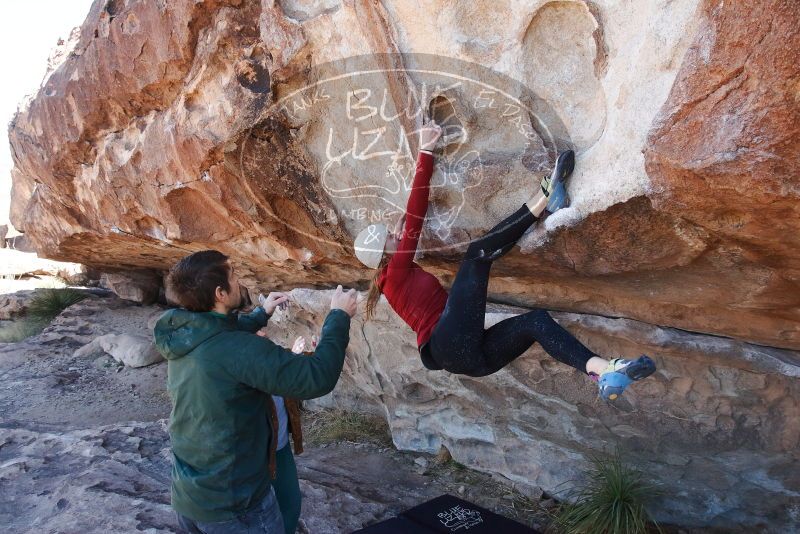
(395, 525)
(445, 515)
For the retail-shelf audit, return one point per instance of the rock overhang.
(150, 140)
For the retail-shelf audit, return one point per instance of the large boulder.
(13, 305)
(139, 286)
(275, 131)
(164, 128)
(129, 349)
(717, 426)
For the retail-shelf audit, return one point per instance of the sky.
(29, 30)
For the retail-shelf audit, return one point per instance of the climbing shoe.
(620, 373)
(554, 186)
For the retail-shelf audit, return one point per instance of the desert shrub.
(612, 501)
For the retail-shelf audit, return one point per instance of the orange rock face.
(160, 134)
(724, 155)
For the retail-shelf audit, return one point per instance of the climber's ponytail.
(374, 294)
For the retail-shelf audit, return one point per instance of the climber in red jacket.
(450, 328)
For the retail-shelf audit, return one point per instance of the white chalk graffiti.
(458, 517)
(457, 170)
(357, 117)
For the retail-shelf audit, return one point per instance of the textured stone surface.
(718, 424)
(84, 448)
(14, 304)
(129, 349)
(111, 479)
(115, 479)
(52, 378)
(153, 135)
(724, 155)
(142, 287)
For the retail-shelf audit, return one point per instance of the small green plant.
(45, 305)
(49, 302)
(611, 502)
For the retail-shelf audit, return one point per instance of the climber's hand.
(348, 302)
(272, 301)
(428, 135)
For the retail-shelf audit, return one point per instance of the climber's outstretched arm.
(417, 205)
(415, 212)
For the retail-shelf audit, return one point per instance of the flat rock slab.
(345, 489)
(48, 378)
(70, 460)
(111, 479)
(115, 478)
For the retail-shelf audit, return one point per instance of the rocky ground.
(115, 478)
(46, 380)
(84, 446)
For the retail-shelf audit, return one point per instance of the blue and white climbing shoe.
(620, 373)
(554, 186)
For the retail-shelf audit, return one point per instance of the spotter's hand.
(272, 301)
(348, 302)
(299, 345)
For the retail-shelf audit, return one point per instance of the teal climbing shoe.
(620, 373)
(554, 186)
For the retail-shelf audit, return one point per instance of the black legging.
(460, 344)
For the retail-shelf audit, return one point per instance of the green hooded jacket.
(220, 376)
